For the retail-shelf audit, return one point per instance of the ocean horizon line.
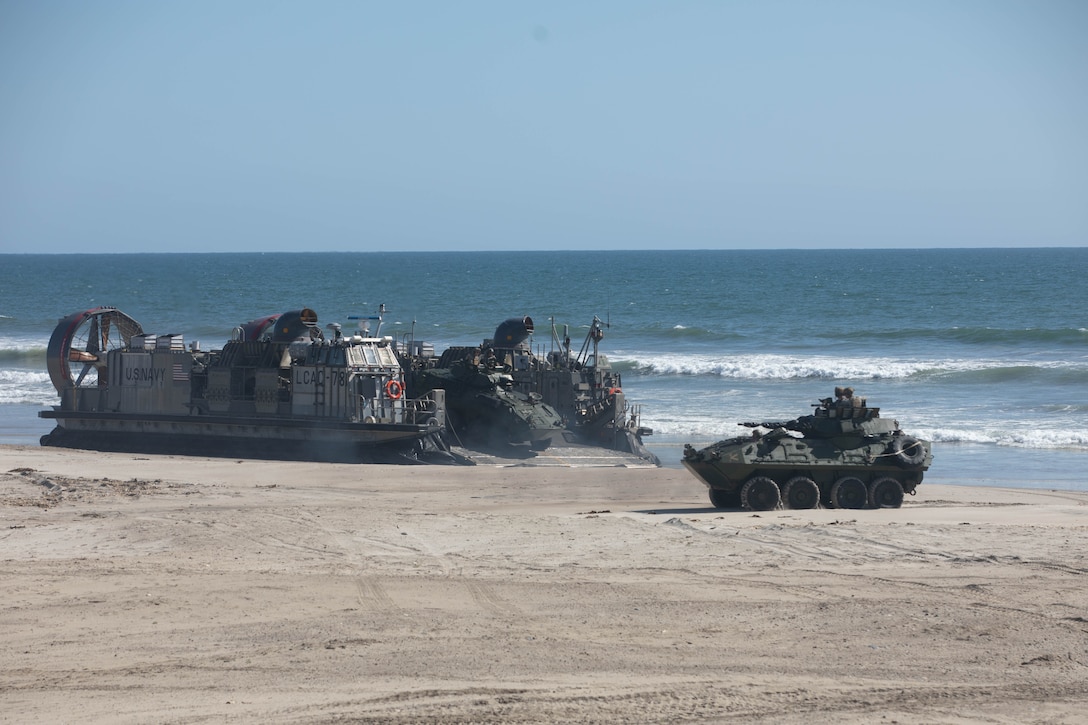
(762, 248)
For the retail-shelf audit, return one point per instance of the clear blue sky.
(268, 126)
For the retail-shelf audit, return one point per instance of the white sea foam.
(1034, 438)
(24, 342)
(794, 367)
(702, 430)
(27, 387)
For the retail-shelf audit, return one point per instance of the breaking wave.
(1017, 438)
(701, 433)
(26, 387)
(809, 367)
(752, 333)
(29, 351)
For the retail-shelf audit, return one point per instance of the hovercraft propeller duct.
(85, 338)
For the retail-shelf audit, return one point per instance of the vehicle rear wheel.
(724, 499)
(849, 492)
(886, 493)
(801, 492)
(760, 493)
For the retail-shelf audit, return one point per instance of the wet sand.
(171, 589)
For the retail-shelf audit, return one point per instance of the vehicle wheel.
(760, 493)
(886, 493)
(724, 499)
(849, 493)
(801, 492)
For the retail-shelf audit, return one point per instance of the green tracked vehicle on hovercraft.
(845, 456)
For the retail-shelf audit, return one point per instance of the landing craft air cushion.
(278, 389)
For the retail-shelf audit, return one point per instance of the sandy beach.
(186, 590)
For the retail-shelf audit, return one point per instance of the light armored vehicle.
(844, 455)
(485, 409)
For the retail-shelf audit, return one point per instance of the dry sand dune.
(170, 589)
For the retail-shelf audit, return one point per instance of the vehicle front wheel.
(760, 493)
(724, 499)
(886, 493)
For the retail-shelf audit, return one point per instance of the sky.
(238, 125)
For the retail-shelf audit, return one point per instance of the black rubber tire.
(760, 493)
(801, 492)
(907, 451)
(724, 499)
(885, 493)
(849, 492)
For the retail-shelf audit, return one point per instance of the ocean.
(982, 351)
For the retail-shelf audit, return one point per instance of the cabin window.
(367, 387)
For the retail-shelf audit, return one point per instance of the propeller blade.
(86, 369)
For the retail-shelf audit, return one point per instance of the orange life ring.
(613, 391)
(394, 390)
